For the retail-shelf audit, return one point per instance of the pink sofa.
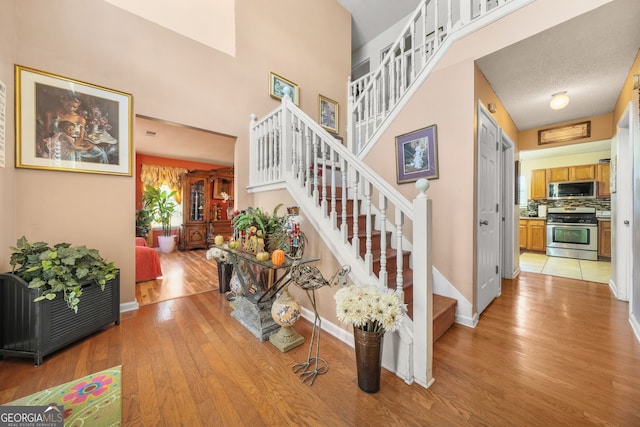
(147, 262)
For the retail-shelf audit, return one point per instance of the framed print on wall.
(68, 125)
(416, 155)
(277, 84)
(328, 113)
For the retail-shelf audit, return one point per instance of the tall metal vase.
(368, 359)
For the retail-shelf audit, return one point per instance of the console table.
(253, 310)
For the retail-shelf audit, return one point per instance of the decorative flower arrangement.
(218, 254)
(99, 120)
(370, 308)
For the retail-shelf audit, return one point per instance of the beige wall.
(447, 90)
(7, 174)
(485, 94)
(170, 77)
(627, 91)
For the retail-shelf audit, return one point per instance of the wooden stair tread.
(444, 314)
(442, 304)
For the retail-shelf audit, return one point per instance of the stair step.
(444, 314)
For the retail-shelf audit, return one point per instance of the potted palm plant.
(161, 206)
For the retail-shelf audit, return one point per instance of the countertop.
(534, 217)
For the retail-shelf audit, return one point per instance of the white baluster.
(399, 267)
(382, 209)
(368, 256)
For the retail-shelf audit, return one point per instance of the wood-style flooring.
(548, 352)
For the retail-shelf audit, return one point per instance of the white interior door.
(488, 226)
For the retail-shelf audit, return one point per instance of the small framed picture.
(277, 85)
(416, 155)
(68, 125)
(328, 113)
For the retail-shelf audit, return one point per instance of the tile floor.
(593, 271)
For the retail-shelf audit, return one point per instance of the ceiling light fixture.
(559, 100)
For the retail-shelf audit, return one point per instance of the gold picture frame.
(64, 124)
(277, 84)
(328, 113)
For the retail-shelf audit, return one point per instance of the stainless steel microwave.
(573, 190)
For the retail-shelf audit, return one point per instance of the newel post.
(422, 286)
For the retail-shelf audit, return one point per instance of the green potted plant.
(40, 297)
(143, 222)
(272, 226)
(161, 206)
(61, 269)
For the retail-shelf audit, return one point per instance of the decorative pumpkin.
(262, 256)
(277, 257)
(218, 240)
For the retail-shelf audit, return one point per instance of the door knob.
(485, 222)
(626, 222)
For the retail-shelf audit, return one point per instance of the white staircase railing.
(289, 148)
(428, 33)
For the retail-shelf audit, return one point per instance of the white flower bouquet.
(218, 254)
(370, 308)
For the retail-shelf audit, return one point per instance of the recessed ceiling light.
(559, 100)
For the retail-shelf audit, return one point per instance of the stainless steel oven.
(572, 232)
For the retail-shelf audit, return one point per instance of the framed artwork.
(68, 125)
(416, 155)
(222, 185)
(277, 84)
(328, 113)
(565, 133)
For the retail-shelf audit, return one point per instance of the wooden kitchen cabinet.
(523, 234)
(537, 235)
(559, 174)
(603, 178)
(533, 234)
(582, 173)
(604, 239)
(538, 184)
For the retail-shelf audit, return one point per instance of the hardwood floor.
(202, 276)
(549, 351)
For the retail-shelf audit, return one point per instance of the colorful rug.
(94, 400)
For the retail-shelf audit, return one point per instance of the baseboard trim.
(129, 306)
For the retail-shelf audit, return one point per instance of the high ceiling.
(589, 57)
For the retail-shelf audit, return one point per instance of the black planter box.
(36, 329)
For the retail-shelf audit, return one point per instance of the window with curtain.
(168, 179)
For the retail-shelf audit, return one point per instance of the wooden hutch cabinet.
(201, 214)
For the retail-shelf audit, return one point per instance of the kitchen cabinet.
(537, 235)
(603, 178)
(559, 174)
(538, 184)
(533, 234)
(604, 238)
(582, 173)
(523, 234)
